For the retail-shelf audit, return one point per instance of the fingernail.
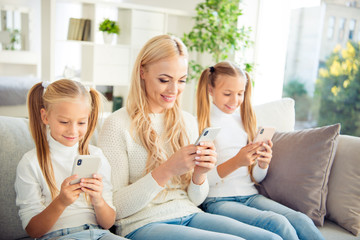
(196, 162)
(201, 143)
(197, 158)
(198, 151)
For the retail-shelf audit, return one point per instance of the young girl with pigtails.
(62, 117)
(241, 163)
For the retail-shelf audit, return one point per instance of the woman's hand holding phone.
(205, 160)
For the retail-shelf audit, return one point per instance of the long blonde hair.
(156, 49)
(41, 98)
(209, 77)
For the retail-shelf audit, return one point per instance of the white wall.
(270, 22)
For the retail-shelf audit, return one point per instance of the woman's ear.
(44, 116)
(142, 73)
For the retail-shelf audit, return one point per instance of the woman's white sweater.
(136, 194)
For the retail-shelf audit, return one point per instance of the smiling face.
(228, 93)
(68, 121)
(164, 81)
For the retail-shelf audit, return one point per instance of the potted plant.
(216, 32)
(109, 29)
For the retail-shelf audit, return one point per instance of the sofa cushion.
(279, 114)
(300, 167)
(343, 202)
(15, 140)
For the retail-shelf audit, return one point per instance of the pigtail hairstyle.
(203, 99)
(209, 77)
(40, 98)
(137, 105)
(92, 122)
(248, 116)
(38, 132)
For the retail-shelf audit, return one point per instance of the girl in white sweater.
(159, 175)
(62, 118)
(240, 162)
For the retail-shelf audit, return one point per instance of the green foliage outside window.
(338, 89)
(297, 91)
(216, 32)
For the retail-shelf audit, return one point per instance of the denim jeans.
(265, 213)
(200, 226)
(86, 232)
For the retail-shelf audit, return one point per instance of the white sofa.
(15, 140)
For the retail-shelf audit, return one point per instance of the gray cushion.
(299, 170)
(15, 140)
(343, 202)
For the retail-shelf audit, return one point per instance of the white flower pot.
(108, 37)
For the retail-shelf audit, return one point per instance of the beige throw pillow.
(343, 202)
(299, 171)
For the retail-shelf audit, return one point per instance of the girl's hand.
(205, 160)
(247, 155)
(69, 192)
(265, 155)
(93, 187)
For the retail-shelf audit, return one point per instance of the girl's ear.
(44, 116)
(211, 89)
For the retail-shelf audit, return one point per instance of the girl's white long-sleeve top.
(231, 138)
(33, 194)
(138, 198)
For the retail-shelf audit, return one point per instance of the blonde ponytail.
(203, 100)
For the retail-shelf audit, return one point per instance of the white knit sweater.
(136, 196)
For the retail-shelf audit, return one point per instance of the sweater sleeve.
(29, 197)
(259, 173)
(196, 193)
(128, 198)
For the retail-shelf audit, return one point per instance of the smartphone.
(208, 135)
(85, 166)
(264, 134)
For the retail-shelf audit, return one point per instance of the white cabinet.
(105, 64)
(95, 62)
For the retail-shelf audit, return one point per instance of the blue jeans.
(265, 213)
(200, 226)
(86, 232)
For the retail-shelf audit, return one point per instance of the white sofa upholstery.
(15, 140)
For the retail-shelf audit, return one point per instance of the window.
(352, 24)
(331, 25)
(342, 22)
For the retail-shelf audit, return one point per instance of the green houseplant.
(109, 29)
(216, 32)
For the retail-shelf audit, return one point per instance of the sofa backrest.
(15, 141)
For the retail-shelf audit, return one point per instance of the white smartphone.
(264, 134)
(208, 135)
(85, 166)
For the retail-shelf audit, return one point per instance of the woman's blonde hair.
(208, 78)
(40, 98)
(156, 49)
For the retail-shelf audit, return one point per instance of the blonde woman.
(159, 176)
